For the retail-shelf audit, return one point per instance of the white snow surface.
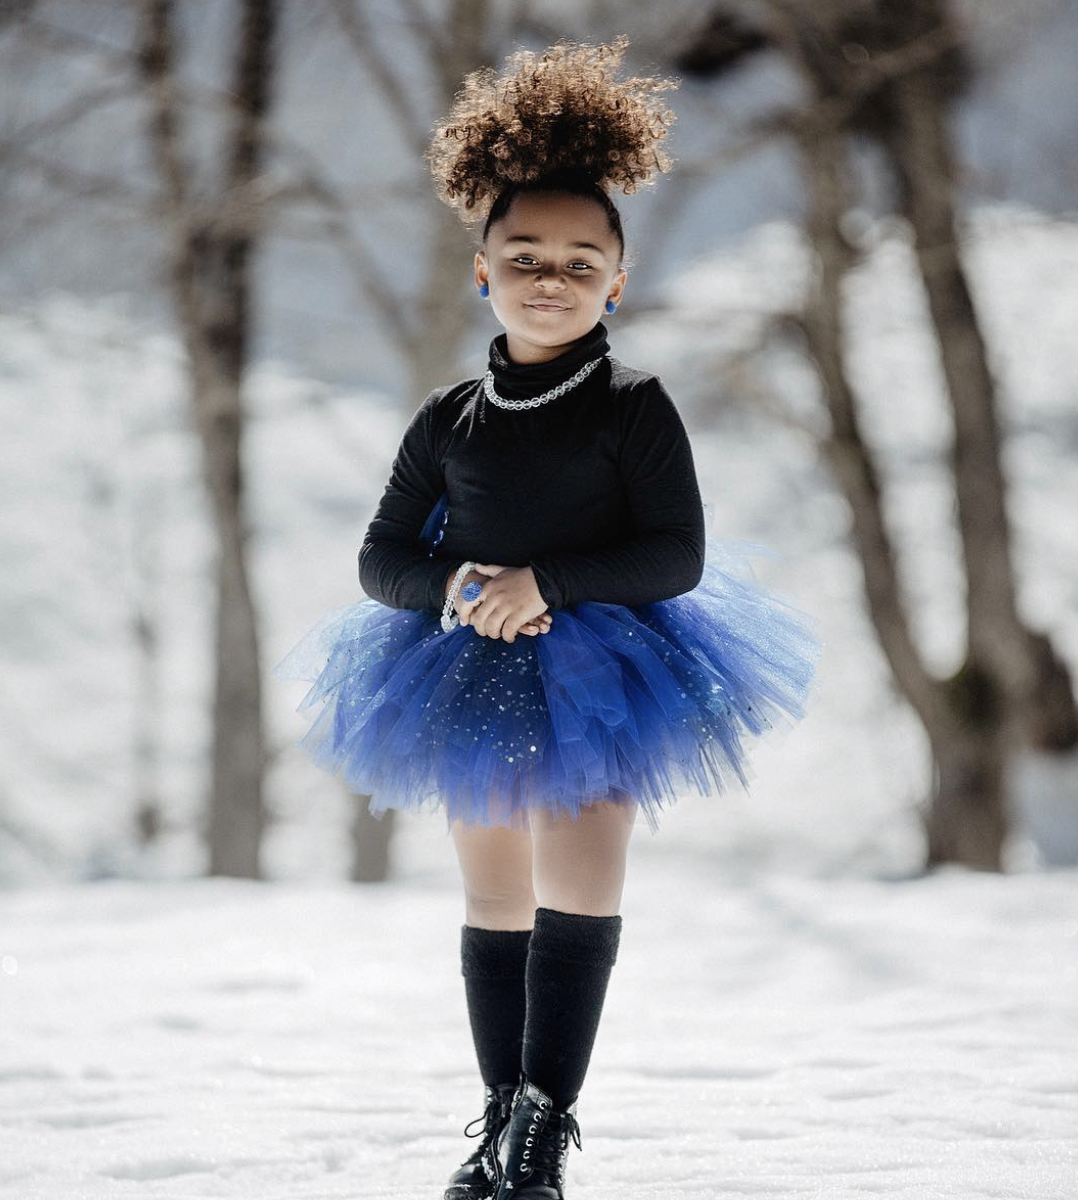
(771, 1035)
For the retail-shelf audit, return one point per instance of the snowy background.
(117, 530)
(795, 1012)
(792, 1014)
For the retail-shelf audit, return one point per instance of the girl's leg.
(496, 868)
(578, 866)
(579, 873)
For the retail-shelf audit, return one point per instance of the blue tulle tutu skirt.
(628, 704)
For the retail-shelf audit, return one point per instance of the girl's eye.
(576, 265)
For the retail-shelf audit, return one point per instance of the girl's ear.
(617, 285)
(480, 268)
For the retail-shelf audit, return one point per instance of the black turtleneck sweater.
(596, 489)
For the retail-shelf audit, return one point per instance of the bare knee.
(496, 869)
(588, 901)
(513, 910)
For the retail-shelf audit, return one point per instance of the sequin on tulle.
(629, 704)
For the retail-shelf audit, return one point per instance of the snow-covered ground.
(769, 1035)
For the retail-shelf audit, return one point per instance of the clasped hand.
(510, 603)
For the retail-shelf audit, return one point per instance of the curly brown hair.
(550, 117)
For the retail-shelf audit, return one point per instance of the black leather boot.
(476, 1178)
(530, 1152)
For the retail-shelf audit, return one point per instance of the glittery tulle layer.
(630, 704)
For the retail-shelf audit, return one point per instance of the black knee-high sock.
(569, 964)
(493, 963)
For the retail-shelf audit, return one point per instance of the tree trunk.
(236, 811)
(1034, 684)
(965, 821)
(1013, 688)
(371, 840)
(1024, 659)
(212, 246)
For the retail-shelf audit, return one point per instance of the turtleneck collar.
(524, 380)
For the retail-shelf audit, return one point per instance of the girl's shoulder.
(444, 405)
(450, 395)
(631, 379)
(639, 387)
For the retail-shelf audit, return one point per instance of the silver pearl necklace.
(535, 401)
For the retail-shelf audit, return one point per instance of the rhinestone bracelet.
(450, 620)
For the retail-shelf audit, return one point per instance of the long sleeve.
(665, 555)
(394, 567)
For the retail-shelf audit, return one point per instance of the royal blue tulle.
(629, 704)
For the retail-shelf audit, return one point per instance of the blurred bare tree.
(213, 235)
(890, 71)
(211, 238)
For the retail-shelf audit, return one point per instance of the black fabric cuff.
(579, 937)
(493, 953)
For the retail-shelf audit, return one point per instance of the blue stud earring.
(611, 307)
(484, 289)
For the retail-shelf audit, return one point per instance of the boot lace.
(491, 1122)
(548, 1153)
(490, 1119)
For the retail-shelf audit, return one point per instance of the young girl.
(550, 642)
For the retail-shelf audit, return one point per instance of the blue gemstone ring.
(470, 591)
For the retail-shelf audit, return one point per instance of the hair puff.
(561, 110)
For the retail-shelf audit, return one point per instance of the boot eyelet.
(531, 1128)
(526, 1153)
(528, 1141)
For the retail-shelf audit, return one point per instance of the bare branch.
(67, 115)
(88, 185)
(431, 31)
(312, 185)
(155, 64)
(397, 98)
(828, 112)
(167, 95)
(242, 152)
(59, 39)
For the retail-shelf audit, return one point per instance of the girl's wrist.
(450, 619)
(452, 575)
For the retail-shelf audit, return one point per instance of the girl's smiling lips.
(546, 305)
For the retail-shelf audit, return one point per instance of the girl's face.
(551, 264)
